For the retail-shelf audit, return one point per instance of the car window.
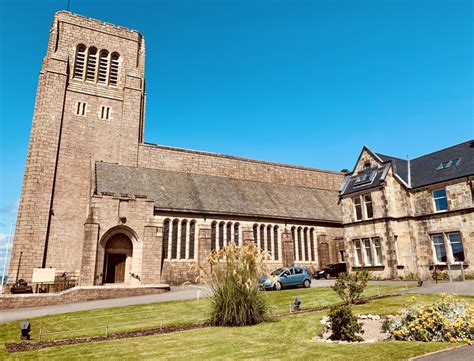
(286, 273)
(277, 272)
(298, 270)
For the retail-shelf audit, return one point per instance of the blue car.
(286, 277)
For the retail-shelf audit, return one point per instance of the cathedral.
(100, 203)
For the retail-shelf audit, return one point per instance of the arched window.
(114, 69)
(221, 235)
(269, 239)
(300, 246)
(236, 234)
(311, 241)
(103, 66)
(166, 235)
(80, 61)
(275, 243)
(213, 235)
(182, 248)
(262, 236)
(174, 239)
(91, 64)
(305, 240)
(228, 233)
(192, 235)
(255, 234)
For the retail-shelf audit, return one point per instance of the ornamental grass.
(236, 299)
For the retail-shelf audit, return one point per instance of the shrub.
(350, 287)
(344, 325)
(438, 275)
(446, 320)
(235, 272)
(410, 276)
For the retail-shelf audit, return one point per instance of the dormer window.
(448, 164)
(364, 177)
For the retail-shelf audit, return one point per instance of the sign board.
(43, 275)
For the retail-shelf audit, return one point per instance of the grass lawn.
(289, 337)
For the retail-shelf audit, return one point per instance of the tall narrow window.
(213, 235)
(104, 112)
(91, 64)
(174, 239)
(369, 210)
(311, 242)
(378, 251)
(103, 66)
(357, 253)
(368, 252)
(439, 247)
(228, 233)
(81, 108)
(440, 200)
(293, 237)
(114, 69)
(80, 61)
(262, 237)
(276, 255)
(300, 246)
(269, 239)
(192, 238)
(221, 235)
(236, 234)
(182, 248)
(255, 234)
(357, 208)
(305, 240)
(166, 235)
(456, 246)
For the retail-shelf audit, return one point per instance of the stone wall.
(77, 294)
(190, 161)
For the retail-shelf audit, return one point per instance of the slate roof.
(423, 170)
(187, 192)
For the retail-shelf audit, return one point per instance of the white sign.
(43, 275)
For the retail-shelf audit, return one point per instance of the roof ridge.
(443, 149)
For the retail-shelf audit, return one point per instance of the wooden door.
(120, 268)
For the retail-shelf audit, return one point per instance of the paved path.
(465, 288)
(463, 353)
(190, 292)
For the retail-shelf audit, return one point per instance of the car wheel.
(278, 286)
(306, 283)
(327, 276)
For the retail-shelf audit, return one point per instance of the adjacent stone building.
(404, 218)
(100, 203)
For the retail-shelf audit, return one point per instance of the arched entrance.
(118, 256)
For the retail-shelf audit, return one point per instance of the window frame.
(371, 205)
(448, 248)
(355, 205)
(434, 199)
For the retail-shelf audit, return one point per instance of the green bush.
(439, 275)
(344, 325)
(350, 287)
(410, 276)
(446, 320)
(236, 300)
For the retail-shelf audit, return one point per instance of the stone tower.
(89, 107)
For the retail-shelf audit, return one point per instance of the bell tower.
(89, 107)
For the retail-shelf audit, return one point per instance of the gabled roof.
(421, 171)
(188, 192)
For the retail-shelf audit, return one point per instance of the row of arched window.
(179, 239)
(96, 66)
(304, 243)
(223, 233)
(266, 237)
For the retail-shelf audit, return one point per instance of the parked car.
(330, 270)
(286, 277)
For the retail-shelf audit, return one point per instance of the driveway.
(178, 293)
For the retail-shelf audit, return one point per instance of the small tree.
(235, 272)
(350, 287)
(344, 325)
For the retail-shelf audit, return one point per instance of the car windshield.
(277, 272)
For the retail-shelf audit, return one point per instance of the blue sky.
(300, 82)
